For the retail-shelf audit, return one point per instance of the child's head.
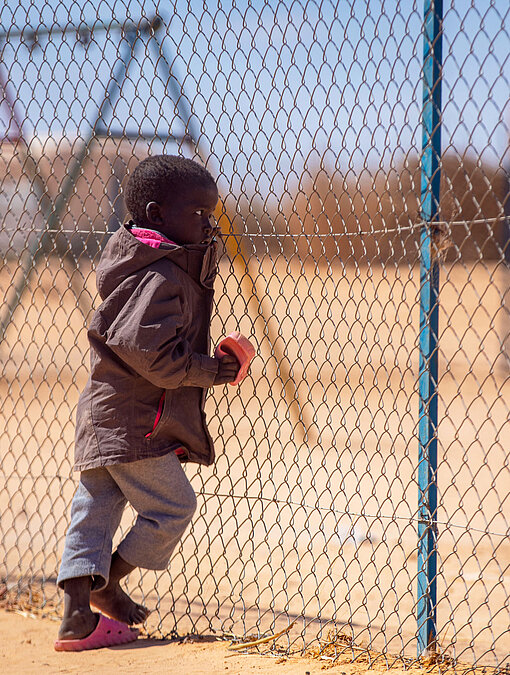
(175, 196)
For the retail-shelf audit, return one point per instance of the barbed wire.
(314, 235)
(368, 516)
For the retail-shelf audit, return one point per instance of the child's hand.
(227, 370)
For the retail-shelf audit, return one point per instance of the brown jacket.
(149, 342)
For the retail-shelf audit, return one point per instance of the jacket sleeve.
(148, 334)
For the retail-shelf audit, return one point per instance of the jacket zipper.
(158, 415)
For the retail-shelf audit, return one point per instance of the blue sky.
(276, 88)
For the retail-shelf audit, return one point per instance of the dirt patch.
(27, 647)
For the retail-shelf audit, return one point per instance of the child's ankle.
(77, 594)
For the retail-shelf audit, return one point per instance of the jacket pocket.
(159, 415)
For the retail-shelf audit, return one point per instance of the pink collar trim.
(150, 237)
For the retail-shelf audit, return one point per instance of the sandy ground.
(317, 528)
(27, 648)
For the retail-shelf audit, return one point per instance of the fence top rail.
(82, 31)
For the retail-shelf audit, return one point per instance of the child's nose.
(211, 223)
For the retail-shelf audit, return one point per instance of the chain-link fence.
(309, 114)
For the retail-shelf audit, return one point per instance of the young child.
(141, 413)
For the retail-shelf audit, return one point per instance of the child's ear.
(153, 213)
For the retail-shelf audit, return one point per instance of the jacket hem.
(111, 460)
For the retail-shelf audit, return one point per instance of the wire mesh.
(309, 116)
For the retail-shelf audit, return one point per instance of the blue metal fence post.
(429, 296)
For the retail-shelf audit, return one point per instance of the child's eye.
(200, 212)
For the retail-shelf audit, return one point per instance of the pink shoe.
(237, 345)
(107, 633)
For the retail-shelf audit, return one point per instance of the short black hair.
(159, 177)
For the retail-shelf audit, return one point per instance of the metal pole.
(505, 278)
(52, 213)
(429, 305)
(237, 250)
(82, 32)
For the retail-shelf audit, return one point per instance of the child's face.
(186, 219)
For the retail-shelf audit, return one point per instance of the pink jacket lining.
(149, 237)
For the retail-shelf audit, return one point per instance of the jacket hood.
(124, 255)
